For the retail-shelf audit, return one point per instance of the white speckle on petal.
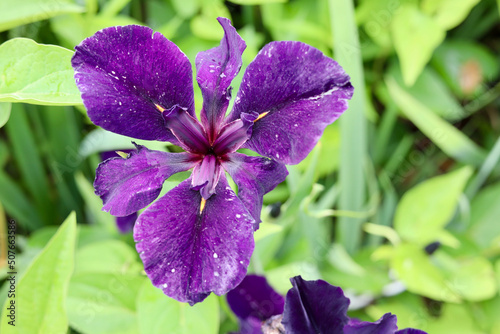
(215, 255)
(216, 274)
(238, 215)
(296, 125)
(173, 270)
(277, 155)
(164, 285)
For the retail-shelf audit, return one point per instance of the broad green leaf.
(110, 256)
(256, 2)
(36, 73)
(475, 280)
(426, 208)
(103, 303)
(484, 213)
(449, 139)
(4, 112)
(14, 13)
(431, 91)
(415, 269)
(160, 314)
(41, 291)
(466, 66)
(415, 36)
(448, 13)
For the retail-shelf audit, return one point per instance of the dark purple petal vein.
(385, 325)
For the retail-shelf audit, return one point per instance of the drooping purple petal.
(216, 68)
(297, 91)
(314, 307)
(128, 76)
(190, 247)
(254, 297)
(385, 325)
(254, 176)
(410, 331)
(127, 185)
(126, 224)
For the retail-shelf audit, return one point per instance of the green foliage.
(4, 112)
(158, 314)
(41, 291)
(36, 73)
(15, 13)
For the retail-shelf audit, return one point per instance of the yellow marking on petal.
(202, 204)
(122, 154)
(160, 108)
(261, 116)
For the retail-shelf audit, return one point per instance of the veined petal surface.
(190, 247)
(313, 307)
(128, 185)
(216, 68)
(254, 176)
(128, 75)
(297, 91)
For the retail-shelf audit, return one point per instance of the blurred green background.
(411, 166)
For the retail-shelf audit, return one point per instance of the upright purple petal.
(254, 297)
(314, 307)
(297, 91)
(254, 176)
(126, 224)
(128, 76)
(216, 68)
(127, 185)
(190, 247)
(385, 325)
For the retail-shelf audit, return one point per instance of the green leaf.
(160, 314)
(268, 239)
(431, 91)
(448, 13)
(36, 73)
(110, 256)
(484, 226)
(4, 113)
(103, 303)
(465, 66)
(415, 269)
(449, 139)
(256, 2)
(426, 208)
(15, 13)
(413, 29)
(474, 279)
(41, 291)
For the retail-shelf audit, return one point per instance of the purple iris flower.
(198, 238)
(310, 307)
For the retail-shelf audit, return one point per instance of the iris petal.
(189, 249)
(127, 185)
(314, 307)
(128, 76)
(254, 176)
(297, 91)
(216, 68)
(385, 325)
